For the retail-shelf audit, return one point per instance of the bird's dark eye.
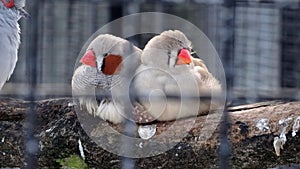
(194, 54)
(193, 51)
(105, 54)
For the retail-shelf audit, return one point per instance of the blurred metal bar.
(31, 142)
(224, 149)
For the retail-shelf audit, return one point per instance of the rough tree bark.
(59, 131)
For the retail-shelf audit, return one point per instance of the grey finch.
(107, 60)
(168, 68)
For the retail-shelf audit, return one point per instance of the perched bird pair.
(10, 12)
(166, 67)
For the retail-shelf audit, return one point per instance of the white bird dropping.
(81, 150)
(146, 132)
(262, 124)
(285, 124)
(296, 126)
(277, 143)
(281, 140)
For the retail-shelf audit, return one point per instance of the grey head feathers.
(162, 50)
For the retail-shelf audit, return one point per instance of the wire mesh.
(258, 42)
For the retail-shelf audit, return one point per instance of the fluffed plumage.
(169, 69)
(107, 61)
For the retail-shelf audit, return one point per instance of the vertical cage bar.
(31, 142)
(225, 149)
(129, 126)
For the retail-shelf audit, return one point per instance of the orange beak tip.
(184, 57)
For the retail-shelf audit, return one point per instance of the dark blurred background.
(258, 42)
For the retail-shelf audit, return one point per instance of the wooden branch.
(59, 131)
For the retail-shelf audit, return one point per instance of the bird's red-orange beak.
(8, 3)
(89, 58)
(184, 57)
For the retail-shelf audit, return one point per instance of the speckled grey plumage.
(87, 79)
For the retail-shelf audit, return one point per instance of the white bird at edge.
(10, 12)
